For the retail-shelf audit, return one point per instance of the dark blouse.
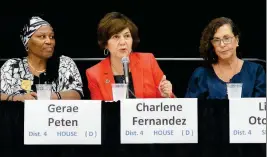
(120, 79)
(204, 83)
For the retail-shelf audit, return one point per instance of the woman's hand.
(165, 87)
(27, 96)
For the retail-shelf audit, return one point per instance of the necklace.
(39, 71)
(115, 70)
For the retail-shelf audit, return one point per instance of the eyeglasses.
(225, 40)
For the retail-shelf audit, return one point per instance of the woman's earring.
(105, 52)
(27, 49)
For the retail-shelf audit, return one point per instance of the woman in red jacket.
(117, 35)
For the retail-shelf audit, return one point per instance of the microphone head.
(125, 60)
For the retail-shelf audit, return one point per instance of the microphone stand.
(128, 89)
(127, 92)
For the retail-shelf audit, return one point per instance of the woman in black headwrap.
(19, 75)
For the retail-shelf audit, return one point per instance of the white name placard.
(247, 120)
(159, 121)
(62, 122)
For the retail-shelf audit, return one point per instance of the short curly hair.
(206, 48)
(112, 23)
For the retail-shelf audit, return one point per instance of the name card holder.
(247, 120)
(62, 122)
(159, 121)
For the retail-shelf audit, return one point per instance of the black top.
(120, 79)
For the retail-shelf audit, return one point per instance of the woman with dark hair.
(118, 36)
(20, 75)
(218, 47)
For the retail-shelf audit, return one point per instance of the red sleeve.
(93, 86)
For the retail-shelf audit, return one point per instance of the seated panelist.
(218, 46)
(20, 75)
(118, 36)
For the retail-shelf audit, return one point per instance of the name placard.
(159, 121)
(62, 122)
(247, 120)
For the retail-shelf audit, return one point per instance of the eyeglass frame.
(223, 40)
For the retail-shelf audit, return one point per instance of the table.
(213, 122)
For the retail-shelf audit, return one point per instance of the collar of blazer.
(136, 71)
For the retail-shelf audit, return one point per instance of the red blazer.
(146, 76)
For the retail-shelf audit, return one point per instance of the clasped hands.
(31, 96)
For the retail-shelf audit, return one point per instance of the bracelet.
(58, 95)
(8, 97)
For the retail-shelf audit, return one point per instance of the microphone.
(125, 63)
